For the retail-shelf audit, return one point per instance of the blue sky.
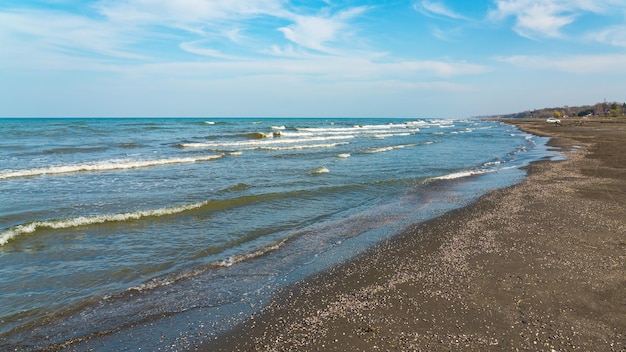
(278, 58)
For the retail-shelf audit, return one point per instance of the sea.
(158, 234)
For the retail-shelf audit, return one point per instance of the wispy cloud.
(195, 47)
(118, 30)
(314, 32)
(316, 67)
(613, 35)
(437, 8)
(187, 11)
(316, 44)
(230, 17)
(575, 64)
(537, 19)
(67, 33)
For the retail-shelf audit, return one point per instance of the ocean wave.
(461, 174)
(389, 148)
(224, 263)
(388, 135)
(360, 129)
(103, 166)
(280, 135)
(304, 146)
(260, 135)
(238, 187)
(236, 259)
(262, 142)
(70, 150)
(320, 170)
(57, 224)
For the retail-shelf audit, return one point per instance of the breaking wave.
(103, 166)
(389, 148)
(32, 227)
(304, 146)
(263, 142)
(460, 174)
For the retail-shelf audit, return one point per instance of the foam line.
(32, 227)
(103, 166)
(390, 148)
(304, 146)
(264, 142)
(461, 174)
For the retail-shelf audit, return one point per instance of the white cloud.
(534, 18)
(546, 18)
(614, 35)
(313, 68)
(448, 35)
(230, 18)
(125, 25)
(315, 32)
(195, 48)
(576, 64)
(187, 11)
(437, 8)
(37, 35)
(441, 68)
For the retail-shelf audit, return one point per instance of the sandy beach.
(539, 266)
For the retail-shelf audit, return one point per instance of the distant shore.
(537, 266)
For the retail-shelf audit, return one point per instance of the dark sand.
(539, 266)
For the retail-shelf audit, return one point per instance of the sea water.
(120, 234)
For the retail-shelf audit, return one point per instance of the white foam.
(258, 143)
(387, 135)
(108, 165)
(460, 174)
(389, 148)
(320, 170)
(225, 263)
(378, 150)
(359, 129)
(493, 163)
(304, 146)
(343, 155)
(309, 135)
(232, 260)
(31, 227)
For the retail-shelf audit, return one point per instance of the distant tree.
(598, 109)
(616, 111)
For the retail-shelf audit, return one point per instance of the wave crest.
(32, 227)
(103, 166)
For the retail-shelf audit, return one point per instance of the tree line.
(604, 109)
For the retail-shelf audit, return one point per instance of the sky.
(282, 58)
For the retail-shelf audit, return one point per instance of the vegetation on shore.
(604, 109)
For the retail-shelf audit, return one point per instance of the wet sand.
(539, 266)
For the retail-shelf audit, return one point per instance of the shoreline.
(540, 265)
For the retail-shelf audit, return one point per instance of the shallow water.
(116, 228)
